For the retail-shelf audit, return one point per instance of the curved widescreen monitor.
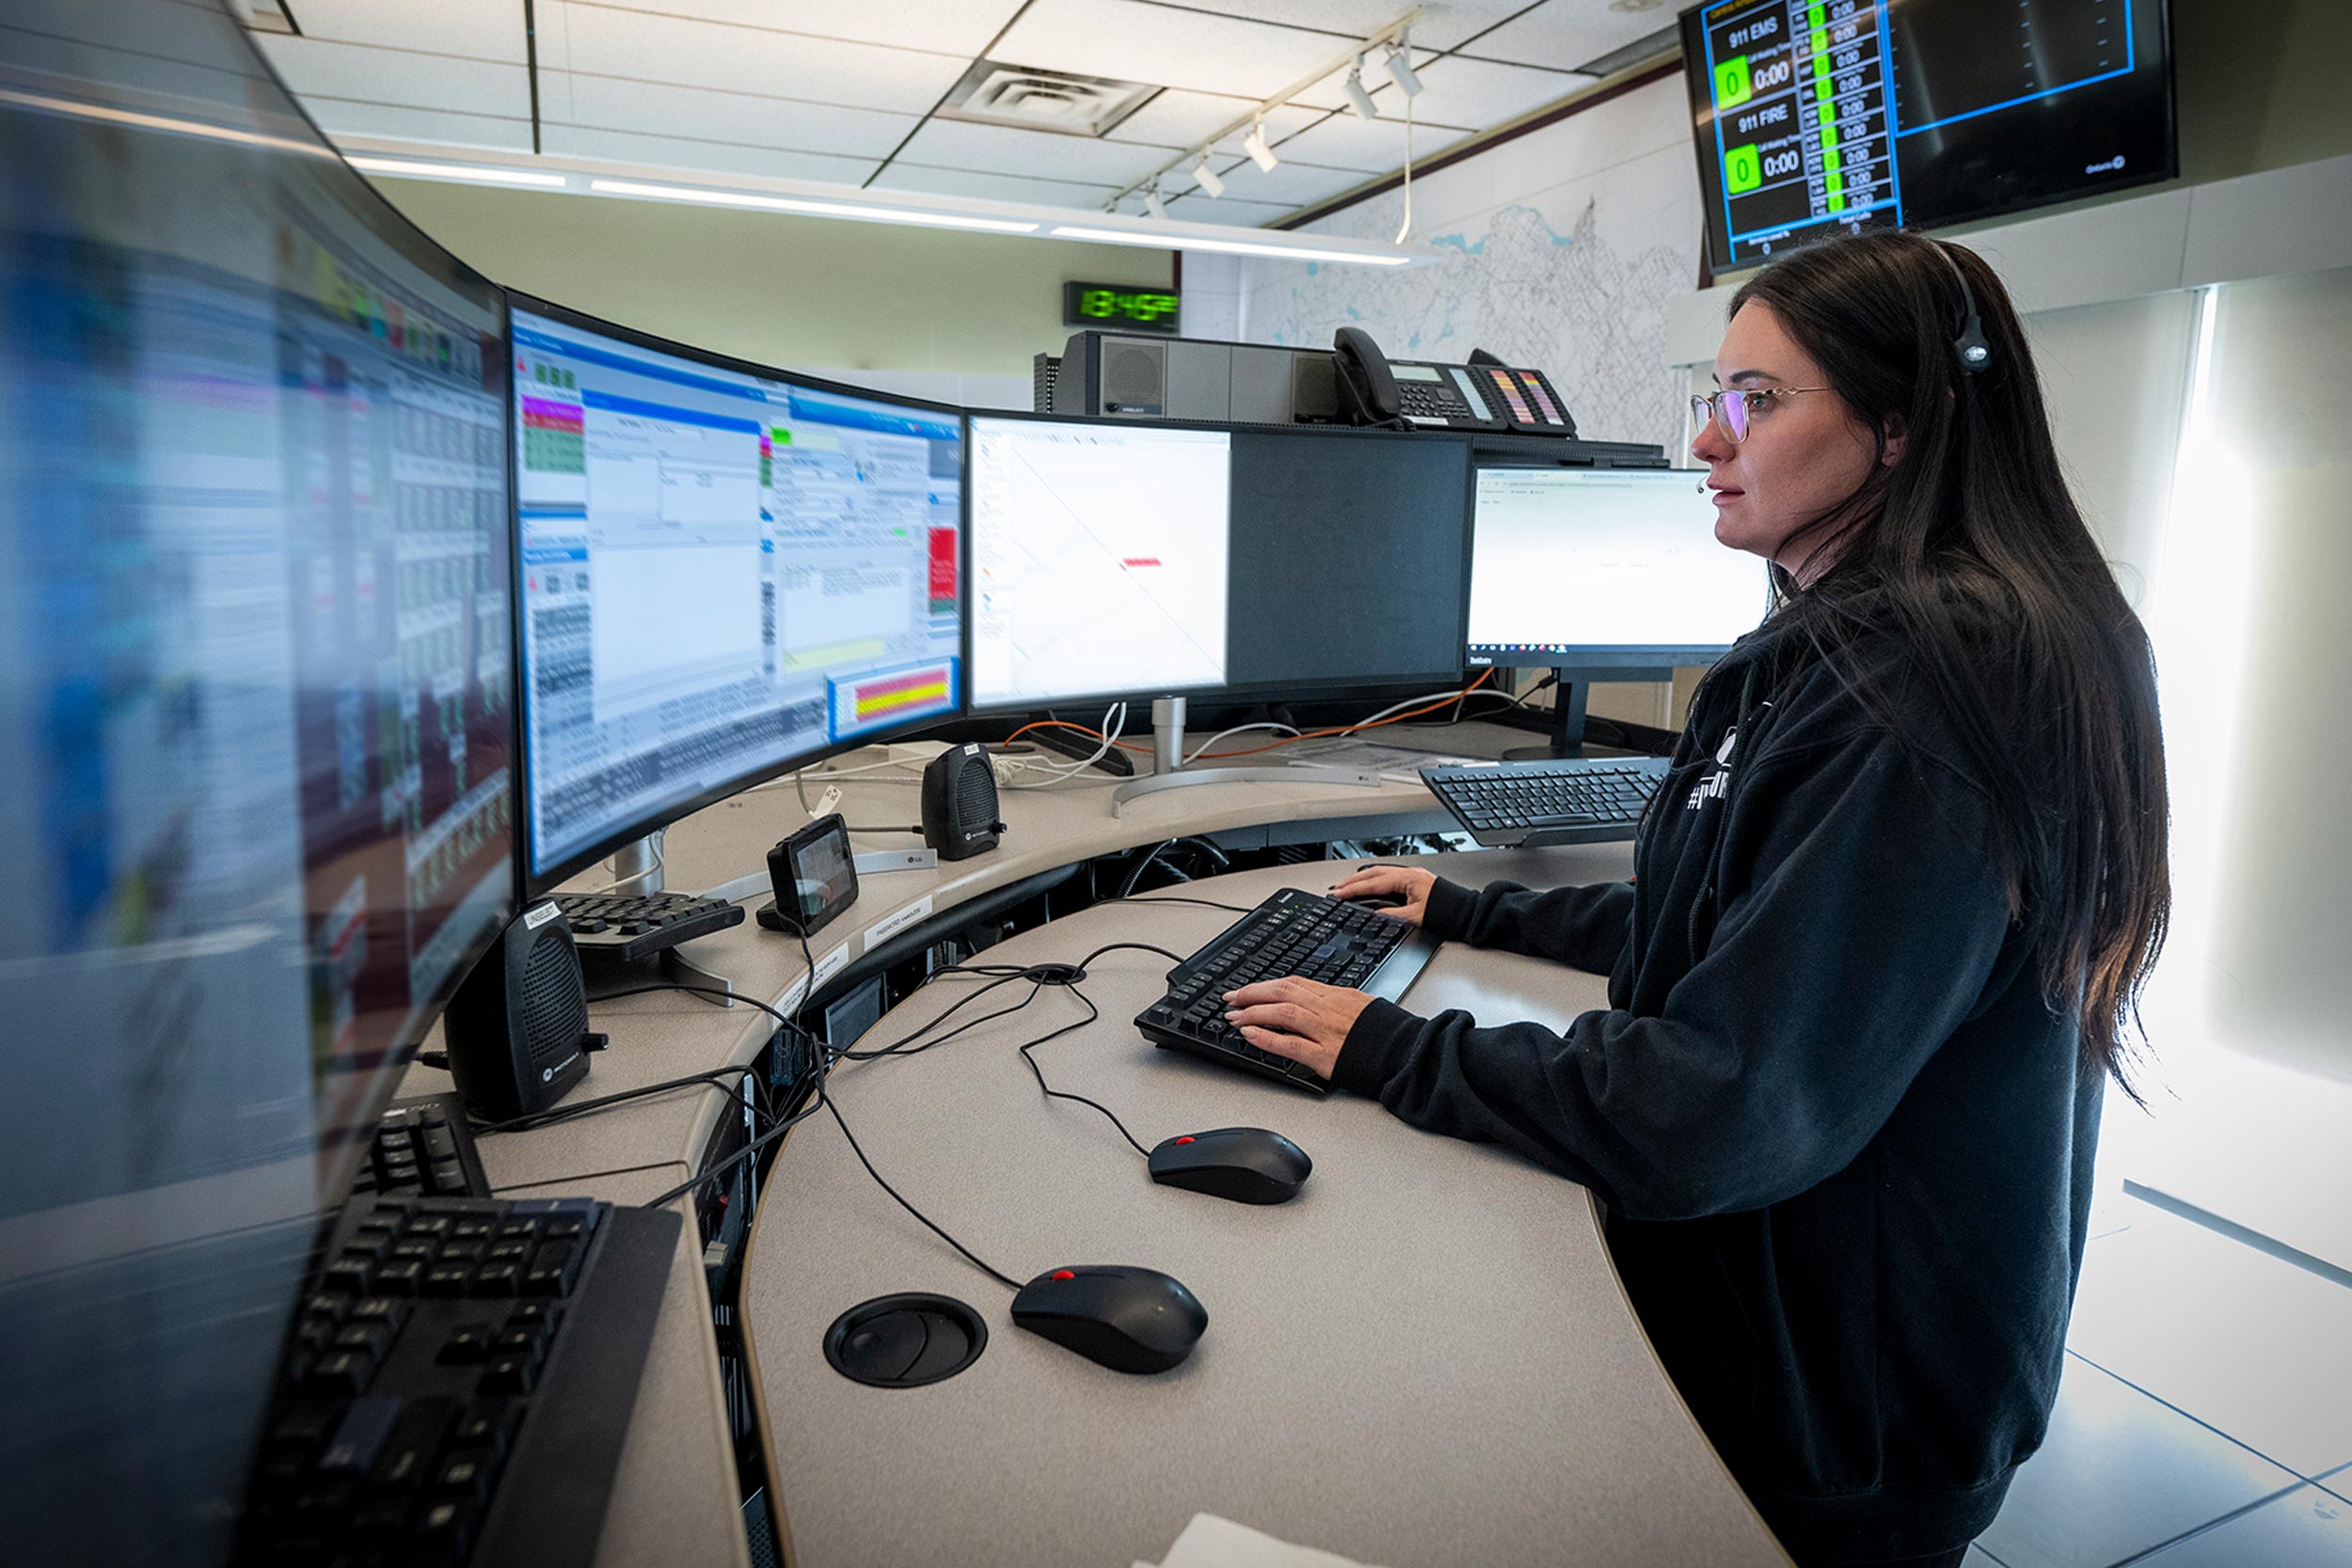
(1595, 569)
(724, 571)
(255, 726)
(1814, 117)
(1117, 558)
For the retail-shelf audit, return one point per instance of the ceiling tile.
(658, 109)
(998, 187)
(479, 29)
(1292, 184)
(315, 67)
(942, 27)
(1456, 90)
(1375, 146)
(1000, 148)
(1567, 34)
(1137, 42)
(1181, 118)
(340, 119)
(1241, 214)
(1443, 26)
(721, 158)
(636, 46)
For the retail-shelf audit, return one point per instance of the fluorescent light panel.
(472, 172)
(1234, 247)
(816, 209)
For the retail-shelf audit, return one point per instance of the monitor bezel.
(1642, 658)
(1450, 674)
(539, 885)
(1698, 94)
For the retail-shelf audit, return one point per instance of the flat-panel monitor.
(1114, 559)
(726, 571)
(1816, 116)
(1099, 558)
(255, 736)
(1595, 569)
(1350, 559)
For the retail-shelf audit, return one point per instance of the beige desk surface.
(676, 1489)
(1425, 1358)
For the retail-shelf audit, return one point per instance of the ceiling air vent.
(994, 93)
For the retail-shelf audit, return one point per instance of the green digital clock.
(1120, 306)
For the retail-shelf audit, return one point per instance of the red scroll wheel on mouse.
(1183, 1140)
(1064, 1274)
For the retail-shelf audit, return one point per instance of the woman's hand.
(1303, 1020)
(1406, 883)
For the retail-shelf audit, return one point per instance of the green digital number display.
(1120, 306)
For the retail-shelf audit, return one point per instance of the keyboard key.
(467, 1343)
(508, 1374)
(405, 1459)
(360, 1439)
(487, 1425)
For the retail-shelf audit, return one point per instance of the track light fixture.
(1255, 145)
(1400, 64)
(1208, 178)
(1153, 201)
(1358, 98)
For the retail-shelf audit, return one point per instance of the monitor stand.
(1568, 724)
(1169, 772)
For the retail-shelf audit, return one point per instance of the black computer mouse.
(1129, 1319)
(1247, 1164)
(1377, 900)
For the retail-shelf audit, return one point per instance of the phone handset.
(1367, 387)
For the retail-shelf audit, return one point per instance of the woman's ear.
(1892, 434)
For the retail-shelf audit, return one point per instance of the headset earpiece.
(1973, 352)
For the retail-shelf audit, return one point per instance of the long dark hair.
(1970, 550)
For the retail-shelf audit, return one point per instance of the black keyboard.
(622, 928)
(1563, 800)
(1293, 932)
(459, 1383)
(424, 1148)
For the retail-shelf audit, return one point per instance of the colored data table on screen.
(1804, 116)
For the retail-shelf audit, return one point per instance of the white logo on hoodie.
(1718, 784)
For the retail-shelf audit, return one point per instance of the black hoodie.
(1845, 1146)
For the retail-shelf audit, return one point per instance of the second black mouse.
(1128, 1319)
(1247, 1164)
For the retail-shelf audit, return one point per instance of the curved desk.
(1606, 1455)
(1425, 1358)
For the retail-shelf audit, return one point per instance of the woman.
(1890, 916)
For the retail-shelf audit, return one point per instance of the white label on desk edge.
(794, 994)
(882, 930)
(830, 965)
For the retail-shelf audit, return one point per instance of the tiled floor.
(2205, 1416)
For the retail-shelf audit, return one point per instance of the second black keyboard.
(1293, 932)
(1563, 800)
(624, 927)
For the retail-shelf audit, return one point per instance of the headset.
(1975, 353)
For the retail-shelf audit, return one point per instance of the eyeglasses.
(1734, 407)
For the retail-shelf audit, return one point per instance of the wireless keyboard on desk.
(1293, 932)
(458, 1384)
(624, 927)
(1559, 800)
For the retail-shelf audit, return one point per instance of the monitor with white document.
(1098, 563)
(726, 571)
(1611, 571)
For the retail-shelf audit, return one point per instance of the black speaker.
(960, 804)
(517, 1028)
